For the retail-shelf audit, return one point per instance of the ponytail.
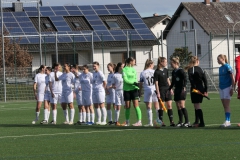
(148, 63)
(192, 62)
(117, 67)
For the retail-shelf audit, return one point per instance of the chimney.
(155, 14)
(17, 6)
(207, 2)
(215, 0)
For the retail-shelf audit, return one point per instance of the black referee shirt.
(197, 77)
(161, 76)
(179, 79)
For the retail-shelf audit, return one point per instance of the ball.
(157, 123)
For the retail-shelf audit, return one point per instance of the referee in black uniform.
(197, 79)
(179, 80)
(162, 84)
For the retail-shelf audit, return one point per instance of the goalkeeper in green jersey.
(130, 88)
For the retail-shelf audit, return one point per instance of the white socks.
(88, 117)
(149, 113)
(117, 113)
(54, 114)
(72, 113)
(93, 117)
(45, 112)
(65, 112)
(109, 114)
(80, 116)
(84, 116)
(104, 113)
(99, 114)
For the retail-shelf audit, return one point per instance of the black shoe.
(172, 124)
(78, 123)
(201, 125)
(44, 122)
(187, 124)
(195, 124)
(110, 123)
(83, 123)
(163, 125)
(180, 124)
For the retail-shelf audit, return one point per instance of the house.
(202, 28)
(109, 24)
(157, 24)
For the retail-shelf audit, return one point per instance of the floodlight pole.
(3, 56)
(39, 30)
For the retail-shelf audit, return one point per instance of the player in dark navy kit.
(179, 81)
(162, 84)
(198, 81)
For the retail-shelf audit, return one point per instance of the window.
(65, 58)
(229, 19)
(112, 24)
(199, 49)
(163, 22)
(117, 57)
(184, 25)
(47, 25)
(76, 24)
(191, 24)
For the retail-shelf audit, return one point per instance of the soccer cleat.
(125, 124)
(117, 124)
(44, 122)
(226, 124)
(172, 124)
(78, 123)
(70, 123)
(180, 124)
(98, 123)
(137, 124)
(103, 124)
(163, 125)
(66, 122)
(186, 124)
(53, 122)
(90, 123)
(148, 125)
(110, 123)
(195, 124)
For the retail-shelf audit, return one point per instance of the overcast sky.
(144, 7)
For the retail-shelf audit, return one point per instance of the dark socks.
(200, 115)
(184, 111)
(160, 114)
(180, 115)
(170, 115)
(196, 117)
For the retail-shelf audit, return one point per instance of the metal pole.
(195, 42)
(103, 53)
(228, 46)
(74, 51)
(158, 37)
(56, 47)
(210, 51)
(162, 42)
(15, 67)
(130, 39)
(127, 45)
(45, 55)
(92, 48)
(3, 58)
(39, 30)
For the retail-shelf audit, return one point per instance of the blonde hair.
(148, 63)
(175, 60)
(160, 60)
(193, 60)
(224, 57)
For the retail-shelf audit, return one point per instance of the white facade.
(177, 38)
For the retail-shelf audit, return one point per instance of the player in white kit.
(147, 82)
(86, 80)
(47, 97)
(56, 91)
(39, 90)
(67, 79)
(110, 93)
(78, 93)
(98, 96)
(117, 84)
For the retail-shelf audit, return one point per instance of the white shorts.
(57, 98)
(47, 96)
(86, 98)
(150, 96)
(110, 98)
(98, 97)
(119, 100)
(79, 98)
(225, 93)
(40, 97)
(67, 97)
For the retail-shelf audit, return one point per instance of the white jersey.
(117, 80)
(109, 82)
(40, 80)
(98, 78)
(67, 81)
(86, 81)
(56, 85)
(47, 83)
(77, 84)
(147, 78)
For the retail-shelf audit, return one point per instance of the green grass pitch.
(19, 139)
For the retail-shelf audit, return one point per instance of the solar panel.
(132, 31)
(50, 40)
(61, 13)
(135, 37)
(57, 18)
(20, 14)
(115, 11)
(60, 23)
(32, 14)
(92, 17)
(7, 14)
(44, 9)
(29, 30)
(106, 38)
(95, 38)
(71, 8)
(144, 31)
(107, 33)
(10, 25)
(102, 12)
(99, 27)
(63, 28)
(65, 39)
(88, 12)
(85, 7)
(98, 7)
(30, 9)
(15, 30)
(129, 11)
(9, 19)
(132, 16)
(117, 32)
(79, 39)
(75, 13)
(47, 14)
(26, 24)
(34, 40)
(148, 37)
(139, 26)
(22, 40)
(58, 8)
(22, 19)
(124, 6)
(96, 22)
(136, 20)
(112, 6)
(120, 38)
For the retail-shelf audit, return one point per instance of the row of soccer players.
(122, 86)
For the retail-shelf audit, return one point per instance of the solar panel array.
(19, 23)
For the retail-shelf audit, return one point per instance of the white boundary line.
(54, 134)
(209, 125)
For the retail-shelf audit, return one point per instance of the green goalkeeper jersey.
(129, 77)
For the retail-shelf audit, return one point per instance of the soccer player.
(56, 91)
(147, 81)
(197, 78)
(78, 93)
(86, 80)
(162, 84)
(179, 80)
(39, 90)
(226, 83)
(67, 79)
(117, 84)
(130, 88)
(110, 93)
(47, 97)
(98, 95)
